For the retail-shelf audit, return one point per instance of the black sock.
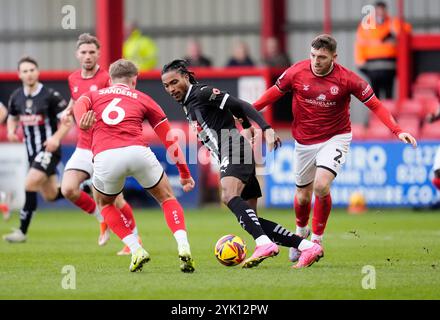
(28, 210)
(246, 217)
(280, 235)
(59, 195)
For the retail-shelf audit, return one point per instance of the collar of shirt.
(37, 91)
(187, 93)
(91, 76)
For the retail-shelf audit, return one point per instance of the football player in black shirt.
(211, 112)
(37, 108)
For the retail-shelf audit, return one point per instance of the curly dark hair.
(180, 66)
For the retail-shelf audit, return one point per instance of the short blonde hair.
(123, 69)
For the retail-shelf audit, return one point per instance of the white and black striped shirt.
(38, 113)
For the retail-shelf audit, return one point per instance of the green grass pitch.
(402, 246)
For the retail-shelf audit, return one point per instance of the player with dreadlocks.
(212, 112)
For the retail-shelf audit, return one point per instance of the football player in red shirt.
(321, 90)
(119, 151)
(79, 168)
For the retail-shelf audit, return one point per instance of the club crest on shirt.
(29, 104)
(334, 90)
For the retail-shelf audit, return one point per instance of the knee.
(32, 185)
(49, 195)
(303, 198)
(120, 202)
(227, 196)
(321, 189)
(70, 192)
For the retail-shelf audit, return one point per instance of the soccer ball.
(230, 250)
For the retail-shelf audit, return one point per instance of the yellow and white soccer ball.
(230, 250)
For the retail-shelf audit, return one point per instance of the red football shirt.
(321, 105)
(78, 86)
(120, 112)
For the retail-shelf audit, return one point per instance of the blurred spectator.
(376, 49)
(194, 55)
(140, 49)
(3, 112)
(274, 57)
(240, 56)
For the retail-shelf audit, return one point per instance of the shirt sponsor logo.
(29, 104)
(32, 119)
(321, 97)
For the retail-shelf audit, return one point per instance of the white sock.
(301, 231)
(261, 240)
(305, 244)
(98, 215)
(132, 242)
(181, 239)
(316, 237)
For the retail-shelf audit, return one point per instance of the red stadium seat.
(358, 130)
(428, 79)
(410, 124)
(422, 89)
(378, 131)
(411, 107)
(391, 105)
(430, 131)
(430, 103)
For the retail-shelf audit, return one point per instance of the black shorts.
(252, 189)
(46, 162)
(238, 166)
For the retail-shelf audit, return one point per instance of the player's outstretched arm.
(269, 97)
(83, 115)
(3, 112)
(12, 125)
(387, 119)
(53, 142)
(175, 152)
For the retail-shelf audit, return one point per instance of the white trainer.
(16, 236)
(294, 253)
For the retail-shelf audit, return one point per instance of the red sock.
(174, 215)
(302, 213)
(436, 182)
(321, 211)
(115, 220)
(86, 203)
(127, 211)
